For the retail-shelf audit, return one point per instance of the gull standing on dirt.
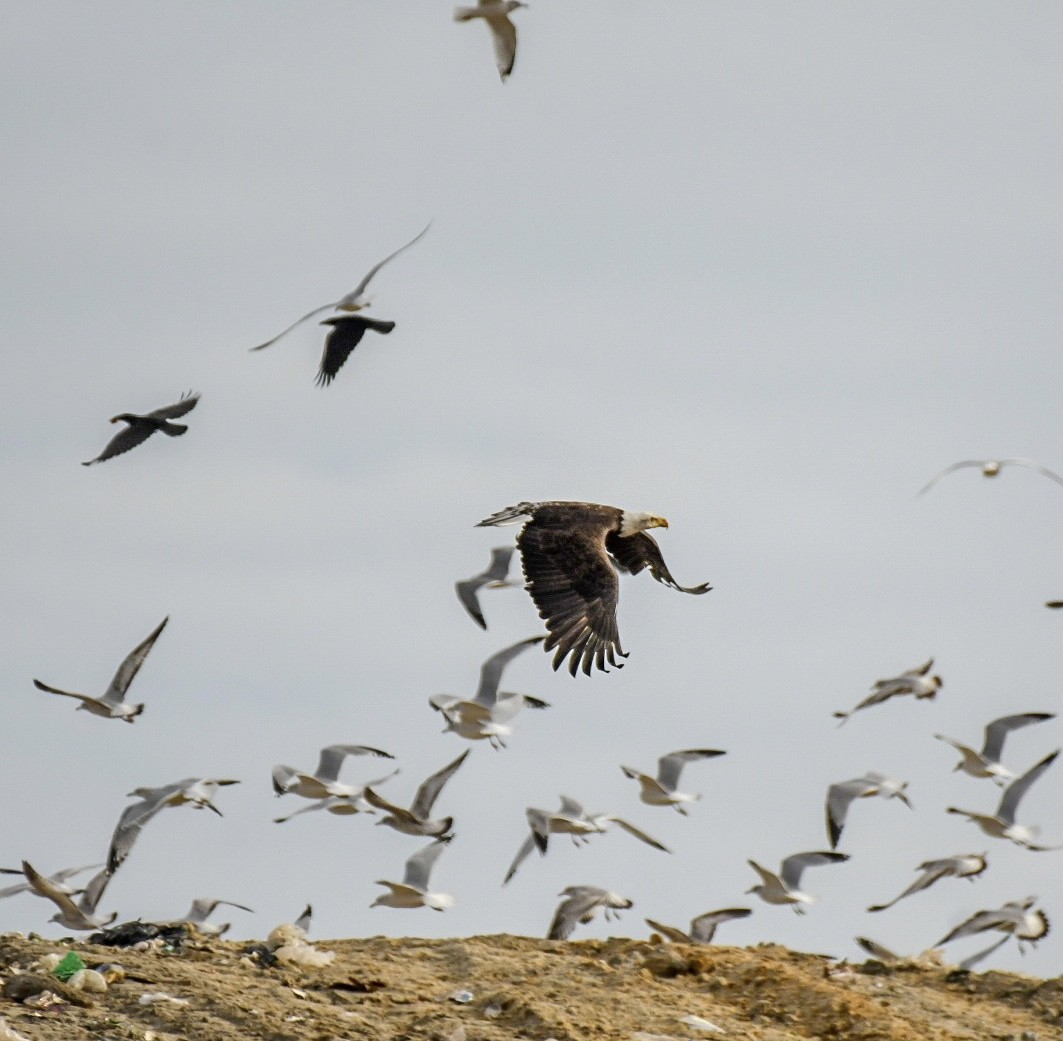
(113, 704)
(703, 928)
(202, 908)
(990, 468)
(140, 428)
(784, 888)
(413, 890)
(416, 820)
(986, 763)
(571, 819)
(324, 782)
(488, 714)
(495, 14)
(840, 797)
(1002, 824)
(81, 915)
(354, 301)
(915, 681)
(964, 865)
(580, 905)
(495, 577)
(57, 880)
(199, 791)
(662, 790)
(1016, 918)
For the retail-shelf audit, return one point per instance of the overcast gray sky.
(763, 268)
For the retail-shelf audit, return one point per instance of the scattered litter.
(111, 972)
(641, 1035)
(462, 997)
(457, 1034)
(298, 993)
(701, 1024)
(150, 997)
(27, 985)
(493, 1011)
(70, 965)
(47, 962)
(133, 934)
(302, 953)
(44, 999)
(88, 979)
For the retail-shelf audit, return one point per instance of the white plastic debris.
(150, 997)
(301, 953)
(88, 979)
(701, 1024)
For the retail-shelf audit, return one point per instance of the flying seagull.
(1002, 824)
(81, 915)
(416, 819)
(341, 805)
(1016, 918)
(571, 552)
(413, 890)
(915, 681)
(355, 300)
(495, 14)
(113, 704)
(888, 957)
(493, 578)
(783, 888)
(703, 928)
(581, 903)
(57, 880)
(199, 791)
(990, 468)
(324, 782)
(986, 763)
(202, 908)
(140, 428)
(662, 790)
(964, 865)
(488, 714)
(570, 819)
(841, 795)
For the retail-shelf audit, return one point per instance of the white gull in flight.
(1001, 825)
(840, 797)
(703, 928)
(662, 790)
(964, 865)
(113, 704)
(416, 820)
(580, 905)
(355, 300)
(784, 888)
(413, 890)
(990, 468)
(324, 781)
(986, 763)
(495, 577)
(915, 681)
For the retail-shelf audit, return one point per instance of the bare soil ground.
(489, 988)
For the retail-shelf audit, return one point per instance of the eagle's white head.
(632, 522)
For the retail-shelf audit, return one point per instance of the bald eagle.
(570, 553)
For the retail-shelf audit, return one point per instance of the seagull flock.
(572, 555)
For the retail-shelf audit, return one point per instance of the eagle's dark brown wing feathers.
(633, 553)
(575, 588)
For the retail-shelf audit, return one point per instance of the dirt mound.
(489, 988)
